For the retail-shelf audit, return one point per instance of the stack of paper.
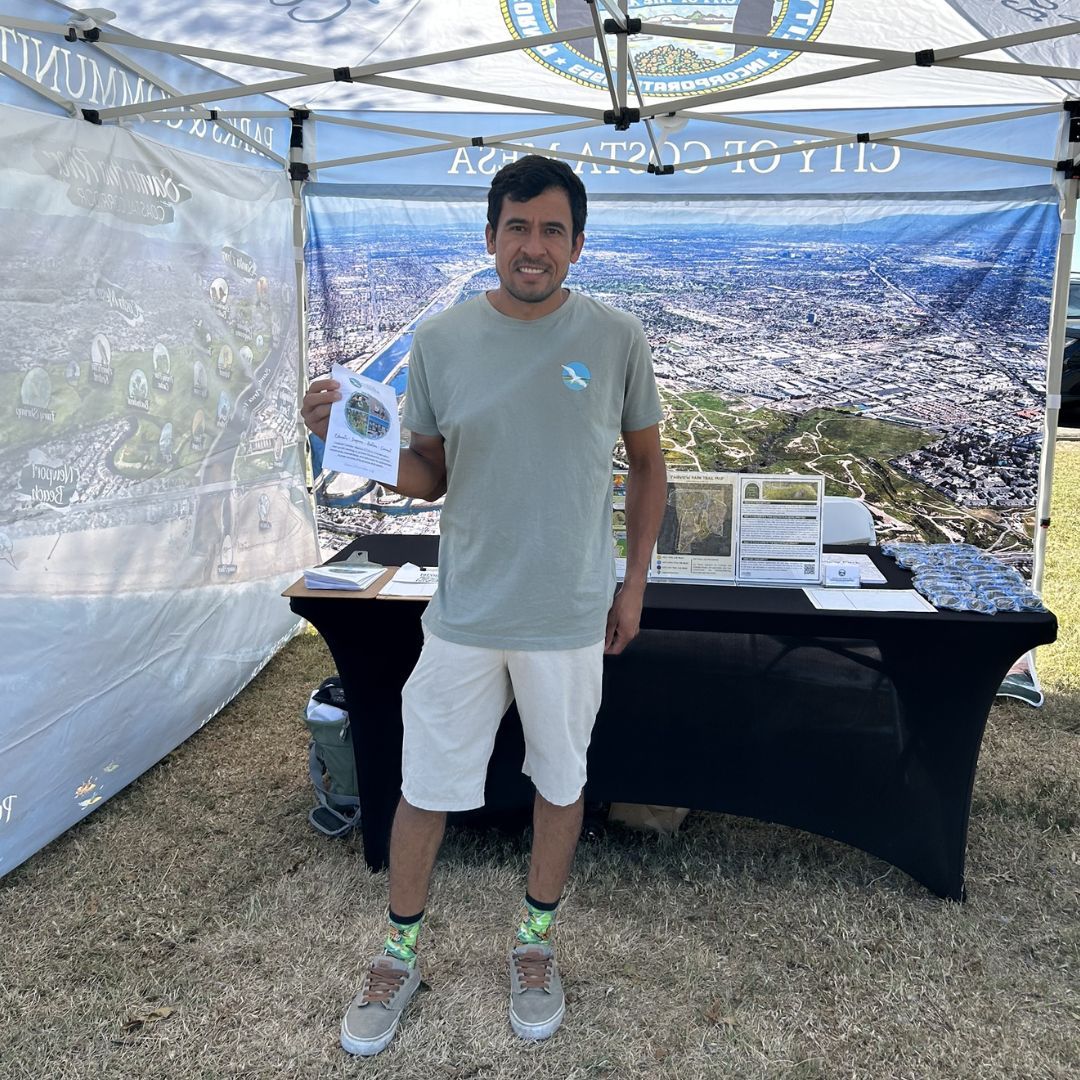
(342, 575)
(412, 580)
(869, 574)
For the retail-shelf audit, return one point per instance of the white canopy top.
(858, 53)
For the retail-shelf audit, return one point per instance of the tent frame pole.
(622, 55)
(553, 108)
(610, 76)
(450, 142)
(274, 64)
(915, 129)
(795, 83)
(225, 93)
(24, 80)
(155, 80)
(296, 157)
(1007, 41)
(1059, 307)
(396, 129)
(202, 112)
(503, 142)
(955, 55)
(845, 140)
(315, 76)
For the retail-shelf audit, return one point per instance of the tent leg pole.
(1059, 306)
(296, 155)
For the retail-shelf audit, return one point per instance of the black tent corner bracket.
(1069, 169)
(299, 170)
(661, 170)
(296, 135)
(91, 116)
(1073, 109)
(622, 118)
(343, 74)
(925, 58)
(90, 34)
(633, 26)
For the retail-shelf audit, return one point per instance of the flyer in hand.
(364, 435)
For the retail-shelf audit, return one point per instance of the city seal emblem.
(669, 66)
(575, 376)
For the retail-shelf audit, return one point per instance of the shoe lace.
(382, 983)
(533, 970)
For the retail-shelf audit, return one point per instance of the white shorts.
(456, 696)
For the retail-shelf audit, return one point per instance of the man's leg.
(393, 977)
(537, 1003)
(451, 706)
(556, 830)
(558, 695)
(414, 843)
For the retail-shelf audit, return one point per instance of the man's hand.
(315, 409)
(624, 618)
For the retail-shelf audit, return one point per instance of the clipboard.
(298, 588)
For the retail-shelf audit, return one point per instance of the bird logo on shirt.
(575, 376)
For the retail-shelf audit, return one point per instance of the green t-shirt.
(530, 412)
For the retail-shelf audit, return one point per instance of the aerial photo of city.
(901, 357)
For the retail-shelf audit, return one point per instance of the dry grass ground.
(195, 926)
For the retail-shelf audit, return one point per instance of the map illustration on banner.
(153, 500)
(147, 394)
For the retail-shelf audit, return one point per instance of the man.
(515, 400)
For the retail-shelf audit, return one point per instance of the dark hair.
(530, 176)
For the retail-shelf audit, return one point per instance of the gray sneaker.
(537, 1003)
(372, 1018)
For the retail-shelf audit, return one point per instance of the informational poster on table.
(779, 529)
(618, 521)
(698, 534)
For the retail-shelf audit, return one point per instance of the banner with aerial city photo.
(152, 495)
(879, 317)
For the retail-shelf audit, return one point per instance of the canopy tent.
(843, 106)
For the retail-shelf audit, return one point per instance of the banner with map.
(152, 499)
(889, 334)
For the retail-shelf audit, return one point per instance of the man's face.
(533, 248)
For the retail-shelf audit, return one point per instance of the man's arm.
(646, 494)
(421, 467)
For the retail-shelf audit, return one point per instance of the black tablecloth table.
(860, 726)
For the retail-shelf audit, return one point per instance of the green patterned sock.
(401, 937)
(537, 922)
